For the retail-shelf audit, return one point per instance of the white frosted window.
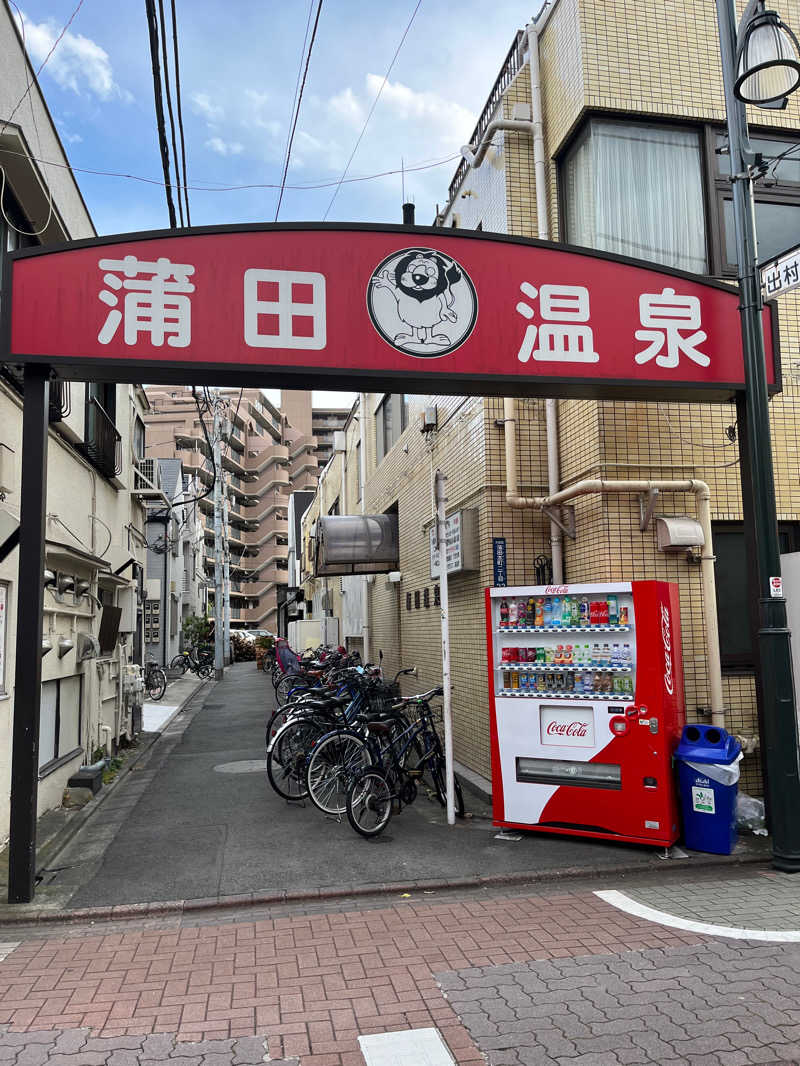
(637, 190)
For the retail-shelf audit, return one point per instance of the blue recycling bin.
(708, 781)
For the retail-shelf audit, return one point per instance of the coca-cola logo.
(556, 590)
(669, 681)
(567, 729)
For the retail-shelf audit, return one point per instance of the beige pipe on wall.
(593, 486)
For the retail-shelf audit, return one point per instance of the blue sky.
(239, 63)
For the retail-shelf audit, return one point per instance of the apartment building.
(175, 583)
(95, 520)
(635, 164)
(267, 453)
(325, 422)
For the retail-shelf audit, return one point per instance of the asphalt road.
(183, 828)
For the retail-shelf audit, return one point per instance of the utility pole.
(226, 576)
(780, 724)
(219, 665)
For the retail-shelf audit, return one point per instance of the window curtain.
(637, 190)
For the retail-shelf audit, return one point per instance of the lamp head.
(767, 59)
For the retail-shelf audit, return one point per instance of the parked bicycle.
(155, 679)
(403, 759)
(197, 659)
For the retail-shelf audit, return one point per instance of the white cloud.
(346, 106)
(202, 105)
(408, 105)
(216, 144)
(78, 63)
(258, 113)
(72, 138)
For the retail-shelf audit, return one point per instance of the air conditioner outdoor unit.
(148, 473)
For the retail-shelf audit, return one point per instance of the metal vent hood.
(356, 544)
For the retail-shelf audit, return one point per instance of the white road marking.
(650, 914)
(411, 1047)
(8, 947)
(244, 766)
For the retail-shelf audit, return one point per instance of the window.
(138, 439)
(391, 419)
(637, 190)
(59, 722)
(734, 607)
(358, 471)
(3, 616)
(777, 201)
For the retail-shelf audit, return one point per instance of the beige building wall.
(647, 60)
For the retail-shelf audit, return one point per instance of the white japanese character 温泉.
(284, 309)
(156, 301)
(666, 316)
(563, 336)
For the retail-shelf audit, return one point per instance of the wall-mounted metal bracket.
(647, 504)
(564, 518)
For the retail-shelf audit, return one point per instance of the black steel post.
(780, 727)
(28, 670)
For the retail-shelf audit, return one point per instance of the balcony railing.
(102, 444)
(509, 70)
(59, 401)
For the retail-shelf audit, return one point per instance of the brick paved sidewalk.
(307, 984)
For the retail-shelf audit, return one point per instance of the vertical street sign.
(499, 560)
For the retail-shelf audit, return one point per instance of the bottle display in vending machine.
(585, 717)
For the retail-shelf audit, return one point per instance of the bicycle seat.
(382, 724)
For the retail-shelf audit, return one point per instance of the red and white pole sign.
(357, 305)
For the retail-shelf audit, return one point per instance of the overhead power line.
(180, 112)
(43, 63)
(297, 110)
(300, 65)
(200, 186)
(162, 29)
(374, 105)
(152, 26)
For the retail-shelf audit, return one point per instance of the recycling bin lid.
(707, 744)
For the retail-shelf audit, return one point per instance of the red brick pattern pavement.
(311, 983)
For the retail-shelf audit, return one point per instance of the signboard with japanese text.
(362, 307)
(782, 275)
(500, 562)
(461, 532)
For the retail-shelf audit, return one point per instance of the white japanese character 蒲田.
(156, 301)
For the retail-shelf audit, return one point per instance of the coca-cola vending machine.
(587, 705)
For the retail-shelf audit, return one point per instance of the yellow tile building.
(635, 164)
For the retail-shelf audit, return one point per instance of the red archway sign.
(365, 307)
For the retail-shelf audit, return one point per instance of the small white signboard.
(781, 275)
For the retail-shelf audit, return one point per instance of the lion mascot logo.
(422, 302)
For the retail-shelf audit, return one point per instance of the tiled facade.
(651, 62)
(268, 454)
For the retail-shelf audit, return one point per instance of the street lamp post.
(768, 79)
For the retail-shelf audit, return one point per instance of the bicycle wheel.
(369, 802)
(286, 759)
(439, 782)
(289, 683)
(156, 683)
(205, 671)
(179, 664)
(332, 765)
